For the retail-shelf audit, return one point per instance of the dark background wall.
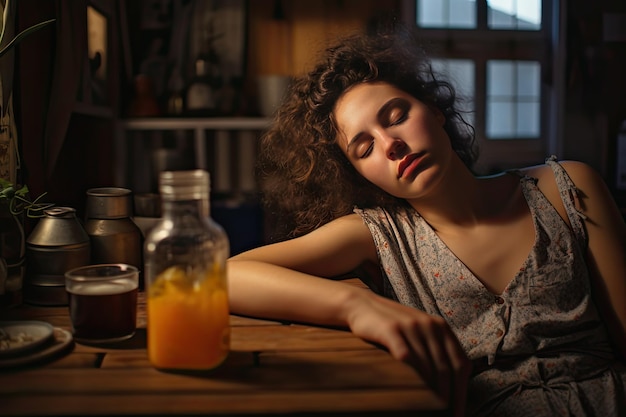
(67, 146)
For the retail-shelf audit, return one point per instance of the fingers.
(461, 366)
(437, 344)
(423, 341)
(433, 335)
(434, 351)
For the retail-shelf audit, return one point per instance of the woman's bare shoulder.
(332, 249)
(578, 171)
(591, 188)
(582, 175)
(349, 231)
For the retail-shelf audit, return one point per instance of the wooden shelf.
(195, 123)
(225, 145)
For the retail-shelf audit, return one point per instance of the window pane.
(431, 13)
(500, 120)
(528, 120)
(500, 78)
(514, 14)
(460, 14)
(460, 73)
(513, 99)
(501, 14)
(528, 79)
(529, 14)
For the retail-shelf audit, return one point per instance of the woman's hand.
(419, 339)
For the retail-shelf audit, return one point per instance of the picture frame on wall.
(97, 71)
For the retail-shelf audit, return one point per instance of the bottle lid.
(184, 185)
(61, 212)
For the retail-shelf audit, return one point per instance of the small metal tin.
(57, 243)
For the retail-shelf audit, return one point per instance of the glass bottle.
(185, 271)
(144, 103)
(175, 89)
(200, 93)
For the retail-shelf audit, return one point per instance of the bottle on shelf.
(175, 85)
(144, 103)
(201, 93)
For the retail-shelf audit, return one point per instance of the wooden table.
(273, 369)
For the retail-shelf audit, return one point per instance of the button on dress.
(540, 348)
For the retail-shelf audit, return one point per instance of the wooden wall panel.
(290, 46)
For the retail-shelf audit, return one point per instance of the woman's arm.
(607, 248)
(282, 281)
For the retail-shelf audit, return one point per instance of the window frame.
(481, 44)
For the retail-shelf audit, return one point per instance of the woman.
(503, 274)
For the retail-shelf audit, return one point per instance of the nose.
(394, 147)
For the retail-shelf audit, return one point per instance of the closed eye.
(368, 151)
(398, 114)
(400, 119)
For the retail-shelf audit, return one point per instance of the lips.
(409, 161)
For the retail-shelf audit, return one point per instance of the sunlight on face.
(390, 137)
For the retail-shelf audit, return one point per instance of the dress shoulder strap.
(570, 197)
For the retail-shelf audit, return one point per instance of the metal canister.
(56, 244)
(115, 237)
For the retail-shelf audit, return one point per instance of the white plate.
(18, 337)
(61, 343)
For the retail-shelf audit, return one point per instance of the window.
(514, 14)
(464, 14)
(513, 99)
(499, 54)
(446, 14)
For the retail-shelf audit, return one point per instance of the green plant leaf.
(22, 191)
(4, 183)
(7, 192)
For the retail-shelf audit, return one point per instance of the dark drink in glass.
(103, 302)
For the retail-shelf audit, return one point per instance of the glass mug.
(103, 302)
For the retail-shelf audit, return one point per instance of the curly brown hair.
(305, 178)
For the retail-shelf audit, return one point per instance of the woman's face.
(394, 140)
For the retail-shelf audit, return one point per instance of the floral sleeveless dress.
(540, 347)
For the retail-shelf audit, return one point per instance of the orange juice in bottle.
(187, 299)
(188, 323)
